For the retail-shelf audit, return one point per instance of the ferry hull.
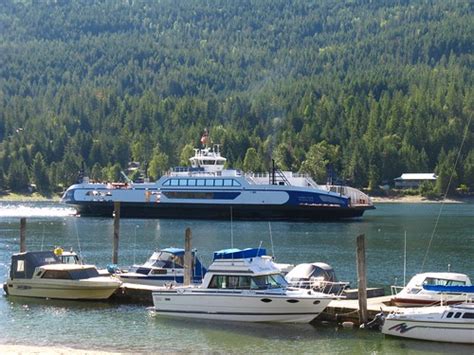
(243, 308)
(219, 211)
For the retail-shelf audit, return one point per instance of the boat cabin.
(169, 259)
(247, 269)
(23, 265)
(66, 272)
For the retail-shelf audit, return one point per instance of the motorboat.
(318, 276)
(42, 274)
(206, 190)
(420, 292)
(450, 323)
(164, 267)
(242, 285)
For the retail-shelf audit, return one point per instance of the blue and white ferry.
(206, 190)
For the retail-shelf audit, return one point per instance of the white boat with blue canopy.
(206, 190)
(164, 267)
(242, 285)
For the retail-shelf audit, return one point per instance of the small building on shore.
(413, 180)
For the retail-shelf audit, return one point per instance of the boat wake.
(25, 210)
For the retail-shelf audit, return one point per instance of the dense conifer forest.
(371, 88)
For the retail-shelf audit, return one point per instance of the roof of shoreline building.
(417, 176)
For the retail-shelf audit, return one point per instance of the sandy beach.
(28, 349)
(418, 199)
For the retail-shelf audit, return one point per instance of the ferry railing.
(357, 197)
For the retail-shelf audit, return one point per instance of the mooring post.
(22, 235)
(116, 232)
(188, 258)
(361, 279)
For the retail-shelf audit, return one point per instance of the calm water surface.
(135, 329)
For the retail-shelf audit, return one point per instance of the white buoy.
(347, 324)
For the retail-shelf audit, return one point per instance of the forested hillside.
(374, 88)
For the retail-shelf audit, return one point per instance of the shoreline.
(54, 350)
(35, 197)
(419, 199)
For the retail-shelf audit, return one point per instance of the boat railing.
(357, 197)
(319, 285)
(394, 289)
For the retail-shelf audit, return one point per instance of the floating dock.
(347, 310)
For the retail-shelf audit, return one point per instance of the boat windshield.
(268, 281)
(262, 282)
(83, 273)
(166, 260)
(442, 282)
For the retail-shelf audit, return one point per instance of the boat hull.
(429, 300)
(239, 307)
(429, 330)
(218, 211)
(62, 289)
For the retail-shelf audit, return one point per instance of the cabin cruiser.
(42, 274)
(206, 190)
(423, 290)
(319, 276)
(451, 323)
(164, 267)
(242, 285)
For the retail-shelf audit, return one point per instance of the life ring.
(58, 251)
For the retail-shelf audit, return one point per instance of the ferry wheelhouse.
(206, 190)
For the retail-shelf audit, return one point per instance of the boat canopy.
(24, 264)
(306, 271)
(239, 253)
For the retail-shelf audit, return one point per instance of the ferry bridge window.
(227, 182)
(192, 182)
(174, 182)
(209, 182)
(218, 182)
(183, 182)
(235, 183)
(166, 183)
(200, 182)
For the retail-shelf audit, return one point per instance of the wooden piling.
(22, 235)
(361, 279)
(116, 232)
(188, 258)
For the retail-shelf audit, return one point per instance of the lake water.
(132, 328)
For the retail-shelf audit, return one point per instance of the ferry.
(206, 190)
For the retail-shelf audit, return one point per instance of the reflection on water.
(100, 325)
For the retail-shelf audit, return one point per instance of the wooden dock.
(347, 310)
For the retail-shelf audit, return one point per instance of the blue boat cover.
(239, 253)
(174, 251)
(452, 289)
